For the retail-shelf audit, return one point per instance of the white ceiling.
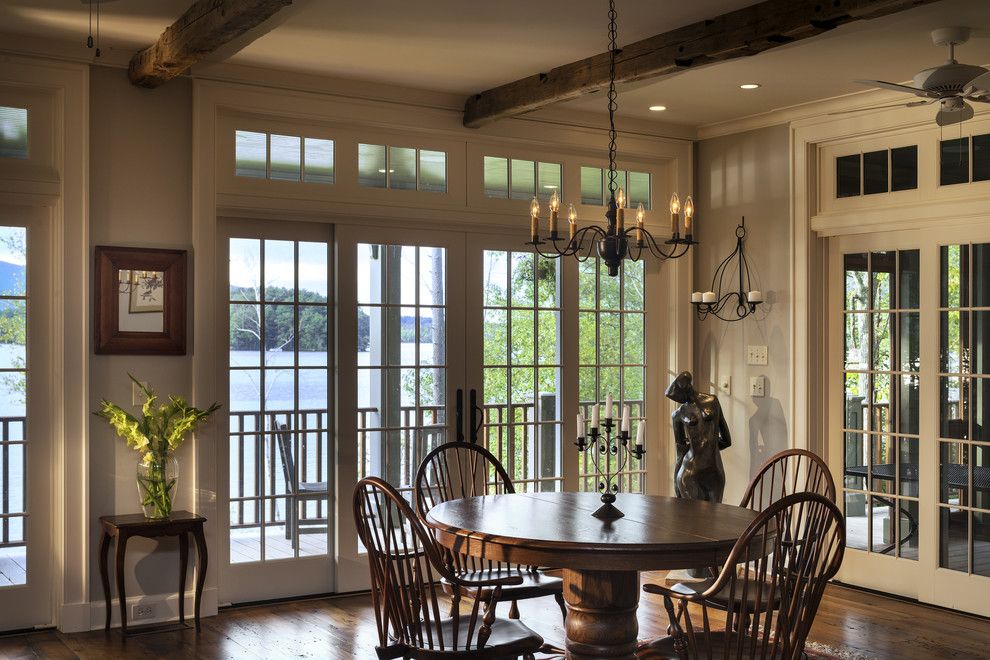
(466, 47)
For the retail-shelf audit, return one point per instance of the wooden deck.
(13, 566)
(344, 627)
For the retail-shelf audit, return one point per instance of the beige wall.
(747, 175)
(140, 195)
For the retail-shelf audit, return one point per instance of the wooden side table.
(181, 524)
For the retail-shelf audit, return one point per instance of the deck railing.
(523, 436)
(13, 485)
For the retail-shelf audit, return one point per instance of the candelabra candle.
(610, 455)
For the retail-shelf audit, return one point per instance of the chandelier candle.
(609, 454)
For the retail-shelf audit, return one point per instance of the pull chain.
(89, 40)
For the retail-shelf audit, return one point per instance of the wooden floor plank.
(344, 627)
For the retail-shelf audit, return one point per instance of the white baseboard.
(79, 617)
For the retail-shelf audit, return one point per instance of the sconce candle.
(720, 303)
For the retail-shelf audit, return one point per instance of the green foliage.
(161, 429)
(280, 335)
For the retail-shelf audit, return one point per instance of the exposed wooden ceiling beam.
(204, 27)
(739, 33)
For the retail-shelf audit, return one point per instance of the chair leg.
(562, 605)
(513, 610)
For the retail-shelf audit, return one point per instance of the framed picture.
(147, 294)
(140, 301)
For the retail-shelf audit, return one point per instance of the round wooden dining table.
(600, 560)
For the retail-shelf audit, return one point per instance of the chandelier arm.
(655, 248)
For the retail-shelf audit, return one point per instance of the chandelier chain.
(612, 104)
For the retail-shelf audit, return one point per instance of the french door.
(439, 335)
(25, 436)
(402, 360)
(277, 293)
(909, 419)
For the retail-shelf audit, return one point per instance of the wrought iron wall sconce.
(731, 305)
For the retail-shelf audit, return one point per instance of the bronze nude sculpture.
(700, 434)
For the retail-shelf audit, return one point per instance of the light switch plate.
(725, 384)
(756, 355)
(757, 386)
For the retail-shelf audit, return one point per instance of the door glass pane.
(279, 415)
(402, 411)
(881, 383)
(522, 409)
(13, 406)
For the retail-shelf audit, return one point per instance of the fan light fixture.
(616, 242)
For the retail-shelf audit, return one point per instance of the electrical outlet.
(757, 386)
(756, 355)
(137, 396)
(143, 611)
(725, 384)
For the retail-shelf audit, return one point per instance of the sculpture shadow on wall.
(768, 432)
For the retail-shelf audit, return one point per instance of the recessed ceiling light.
(749, 86)
(658, 108)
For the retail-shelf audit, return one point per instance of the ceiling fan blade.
(950, 117)
(911, 104)
(894, 86)
(979, 85)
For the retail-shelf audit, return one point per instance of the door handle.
(459, 415)
(476, 419)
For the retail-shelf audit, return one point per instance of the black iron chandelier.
(731, 305)
(616, 242)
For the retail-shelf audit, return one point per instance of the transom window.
(283, 157)
(13, 132)
(594, 186)
(517, 178)
(611, 352)
(402, 168)
(964, 160)
(874, 172)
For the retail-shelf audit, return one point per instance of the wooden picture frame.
(109, 338)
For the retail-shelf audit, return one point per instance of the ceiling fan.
(951, 84)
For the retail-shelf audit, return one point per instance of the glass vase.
(156, 484)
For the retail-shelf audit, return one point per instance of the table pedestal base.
(601, 614)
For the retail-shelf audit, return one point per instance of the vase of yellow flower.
(156, 435)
